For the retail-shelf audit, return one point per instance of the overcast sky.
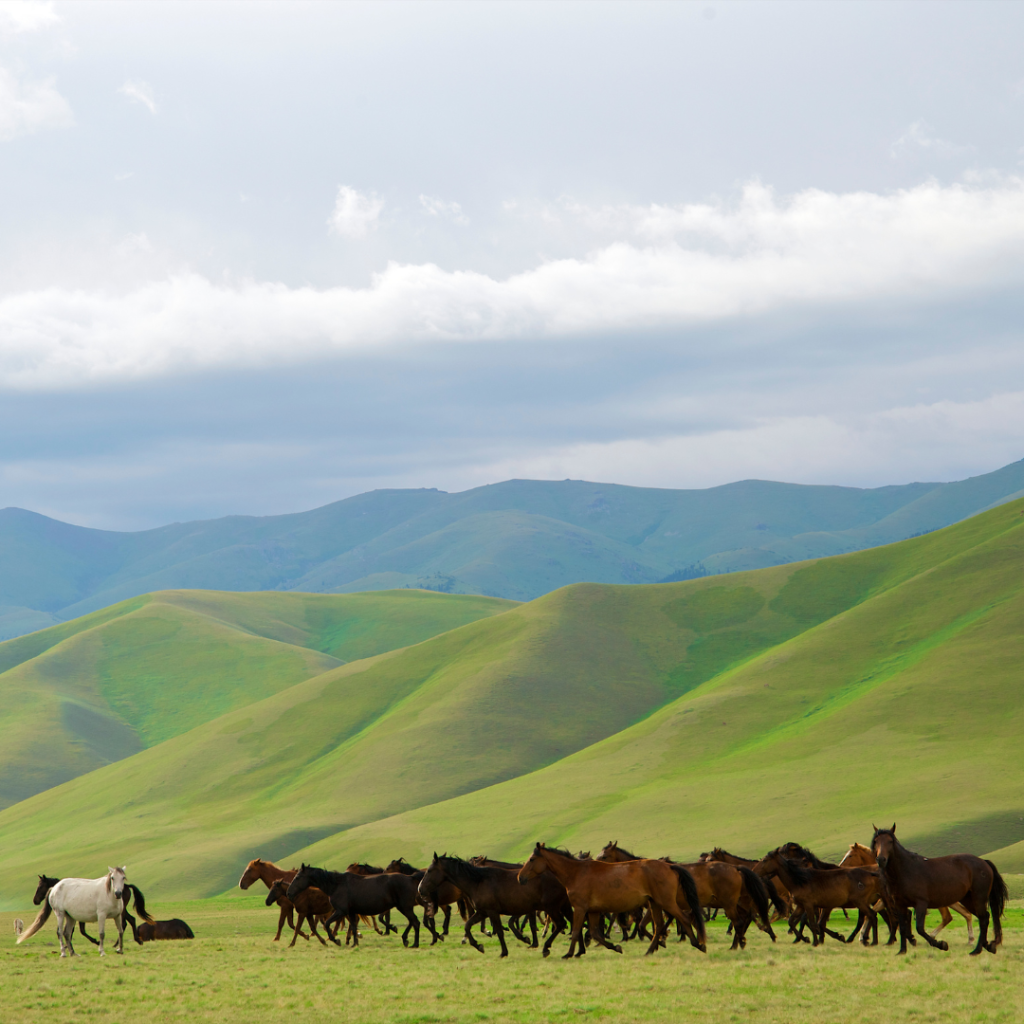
(259, 257)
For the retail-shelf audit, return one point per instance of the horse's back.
(82, 898)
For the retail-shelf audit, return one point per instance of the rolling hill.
(801, 701)
(518, 539)
(109, 684)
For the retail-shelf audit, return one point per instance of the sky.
(258, 257)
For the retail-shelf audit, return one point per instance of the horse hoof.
(546, 953)
(943, 945)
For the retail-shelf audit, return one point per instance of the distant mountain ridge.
(518, 540)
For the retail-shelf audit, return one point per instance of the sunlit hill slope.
(800, 701)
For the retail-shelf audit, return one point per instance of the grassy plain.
(232, 973)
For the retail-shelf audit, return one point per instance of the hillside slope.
(801, 701)
(906, 706)
(518, 539)
(95, 690)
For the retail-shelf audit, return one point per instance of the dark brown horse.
(354, 895)
(312, 905)
(493, 893)
(777, 892)
(817, 892)
(596, 887)
(46, 884)
(446, 896)
(173, 929)
(917, 883)
(733, 888)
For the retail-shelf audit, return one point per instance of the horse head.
(430, 883)
(883, 843)
(253, 870)
(300, 882)
(45, 885)
(115, 882)
(534, 866)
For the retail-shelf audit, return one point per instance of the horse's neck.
(271, 873)
(563, 868)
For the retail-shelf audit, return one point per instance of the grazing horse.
(173, 929)
(859, 855)
(46, 884)
(817, 892)
(596, 887)
(919, 883)
(494, 892)
(732, 888)
(84, 899)
(312, 904)
(268, 873)
(352, 895)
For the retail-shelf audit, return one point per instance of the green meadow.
(233, 973)
(799, 702)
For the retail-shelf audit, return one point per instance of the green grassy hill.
(797, 702)
(95, 690)
(518, 539)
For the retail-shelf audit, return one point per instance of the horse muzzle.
(119, 894)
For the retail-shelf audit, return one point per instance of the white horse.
(84, 899)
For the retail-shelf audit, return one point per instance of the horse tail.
(689, 887)
(140, 903)
(997, 903)
(758, 893)
(41, 918)
(773, 894)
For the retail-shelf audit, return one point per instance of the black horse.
(353, 895)
(495, 892)
(917, 883)
(46, 884)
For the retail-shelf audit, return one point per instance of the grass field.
(232, 973)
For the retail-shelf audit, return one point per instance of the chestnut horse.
(859, 855)
(923, 883)
(732, 888)
(597, 887)
(312, 904)
(268, 873)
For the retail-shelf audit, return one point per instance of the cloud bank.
(27, 107)
(672, 266)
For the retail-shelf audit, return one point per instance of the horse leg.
(920, 913)
(982, 929)
(578, 914)
(85, 934)
(447, 908)
(658, 920)
(861, 918)
(282, 917)
(101, 927)
(60, 931)
(740, 918)
(474, 918)
(499, 930)
(119, 948)
(533, 929)
(557, 927)
(126, 917)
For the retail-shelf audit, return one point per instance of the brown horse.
(268, 873)
(732, 888)
(919, 883)
(597, 887)
(173, 929)
(777, 892)
(312, 905)
(818, 892)
(859, 855)
(494, 892)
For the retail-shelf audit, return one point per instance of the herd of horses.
(589, 898)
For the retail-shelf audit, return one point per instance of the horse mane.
(622, 850)
(561, 851)
(800, 873)
(471, 871)
(368, 868)
(319, 876)
(816, 862)
(718, 853)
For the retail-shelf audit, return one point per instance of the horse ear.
(893, 829)
(874, 827)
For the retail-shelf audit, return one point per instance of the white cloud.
(710, 263)
(139, 92)
(918, 137)
(355, 214)
(434, 207)
(26, 16)
(27, 107)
